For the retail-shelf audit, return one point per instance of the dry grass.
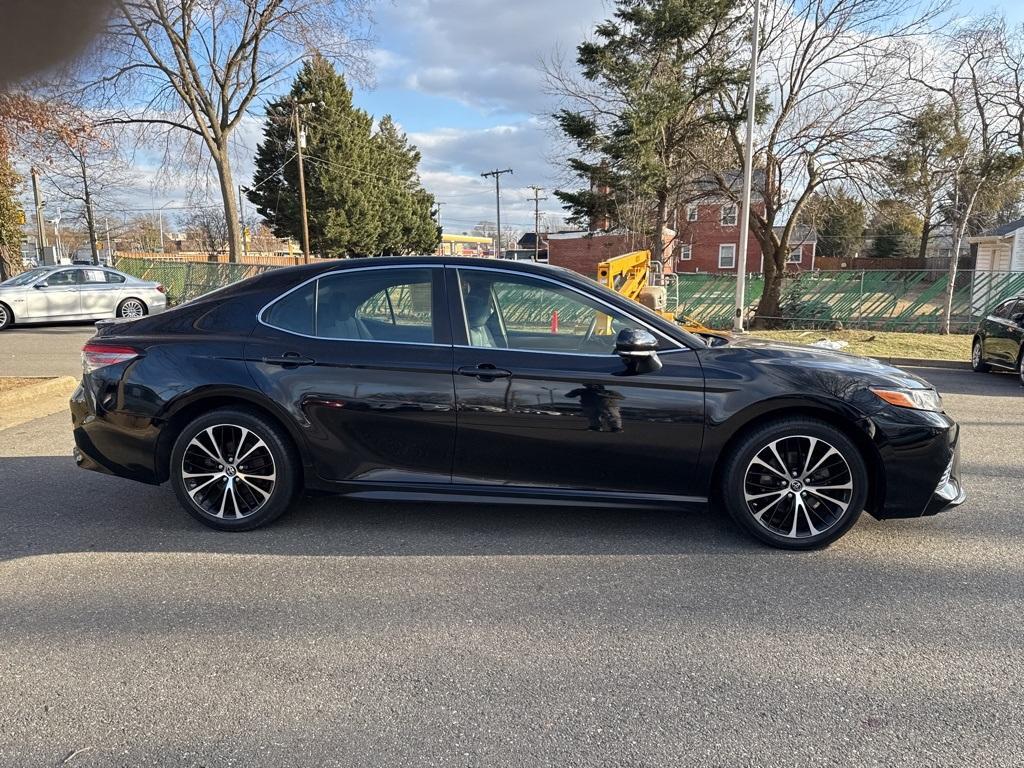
(924, 346)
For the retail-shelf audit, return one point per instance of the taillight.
(96, 356)
(160, 288)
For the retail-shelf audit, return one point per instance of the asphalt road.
(51, 350)
(378, 634)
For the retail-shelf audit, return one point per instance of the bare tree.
(978, 85)
(833, 92)
(206, 227)
(194, 68)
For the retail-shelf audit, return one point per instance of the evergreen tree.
(648, 112)
(363, 194)
(840, 221)
(896, 230)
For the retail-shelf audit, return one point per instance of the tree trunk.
(954, 261)
(227, 193)
(658, 245)
(926, 233)
(767, 313)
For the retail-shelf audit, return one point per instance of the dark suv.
(999, 340)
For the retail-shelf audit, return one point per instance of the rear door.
(362, 358)
(56, 298)
(544, 401)
(98, 295)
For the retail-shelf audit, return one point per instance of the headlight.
(919, 399)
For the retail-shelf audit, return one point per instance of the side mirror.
(1018, 318)
(638, 349)
(41, 285)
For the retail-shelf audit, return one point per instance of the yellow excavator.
(629, 276)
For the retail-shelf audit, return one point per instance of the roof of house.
(528, 238)
(708, 185)
(1003, 230)
(802, 233)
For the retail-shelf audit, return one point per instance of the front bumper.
(920, 463)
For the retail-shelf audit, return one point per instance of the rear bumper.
(121, 446)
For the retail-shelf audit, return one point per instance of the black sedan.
(501, 382)
(999, 340)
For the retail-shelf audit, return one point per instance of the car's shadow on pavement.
(51, 506)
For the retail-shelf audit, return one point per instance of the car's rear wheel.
(6, 317)
(234, 470)
(795, 483)
(978, 364)
(132, 307)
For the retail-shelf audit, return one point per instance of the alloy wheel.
(798, 486)
(132, 308)
(3, 316)
(228, 471)
(976, 354)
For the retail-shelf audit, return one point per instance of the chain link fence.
(185, 280)
(882, 300)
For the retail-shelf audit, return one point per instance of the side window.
(113, 277)
(519, 312)
(377, 305)
(94, 277)
(1004, 310)
(362, 305)
(63, 278)
(294, 311)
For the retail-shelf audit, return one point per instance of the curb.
(914, 362)
(45, 387)
(34, 401)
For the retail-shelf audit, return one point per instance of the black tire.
(6, 317)
(792, 515)
(978, 364)
(205, 495)
(132, 302)
(1020, 366)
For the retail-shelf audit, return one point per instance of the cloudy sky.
(463, 79)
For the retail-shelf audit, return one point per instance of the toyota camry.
(472, 380)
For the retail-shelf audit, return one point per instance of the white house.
(1000, 250)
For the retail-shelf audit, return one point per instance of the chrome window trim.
(304, 283)
(573, 288)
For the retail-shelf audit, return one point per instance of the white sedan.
(54, 294)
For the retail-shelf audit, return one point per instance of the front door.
(544, 401)
(58, 297)
(363, 360)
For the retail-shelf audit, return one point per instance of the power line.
(497, 196)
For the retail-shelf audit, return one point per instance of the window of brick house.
(685, 252)
(727, 256)
(691, 212)
(729, 215)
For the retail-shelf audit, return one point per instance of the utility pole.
(497, 196)
(40, 221)
(748, 169)
(241, 220)
(300, 140)
(536, 220)
(110, 254)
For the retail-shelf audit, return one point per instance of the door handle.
(289, 360)
(484, 372)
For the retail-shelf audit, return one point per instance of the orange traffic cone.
(554, 321)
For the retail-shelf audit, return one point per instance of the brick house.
(709, 234)
(583, 251)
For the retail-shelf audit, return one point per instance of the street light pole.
(300, 139)
(497, 196)
(748, 169)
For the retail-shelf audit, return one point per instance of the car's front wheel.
(6, 317)
(234, 470)
(978, 364)
(795, 483)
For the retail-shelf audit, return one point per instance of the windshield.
(26, 277)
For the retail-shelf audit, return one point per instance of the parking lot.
(358, 634)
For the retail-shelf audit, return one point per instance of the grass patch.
(925, 346)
